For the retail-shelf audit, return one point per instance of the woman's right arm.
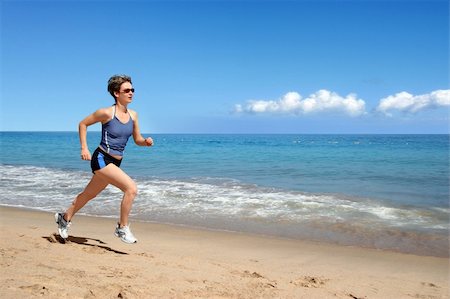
(100, 115)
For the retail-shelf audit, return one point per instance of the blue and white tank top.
(115, 134)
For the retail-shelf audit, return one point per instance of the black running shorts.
(100, 159)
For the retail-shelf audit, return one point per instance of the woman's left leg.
(95, 186)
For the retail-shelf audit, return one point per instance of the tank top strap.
(114, 111)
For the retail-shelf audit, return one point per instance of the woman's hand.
(148, 141)
(85, 154)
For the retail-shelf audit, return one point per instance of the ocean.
(389, 192)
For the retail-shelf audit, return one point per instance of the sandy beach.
(179, 262)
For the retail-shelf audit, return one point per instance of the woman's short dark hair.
(115, 82)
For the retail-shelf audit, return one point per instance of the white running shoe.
(125, 234)
(63, 225)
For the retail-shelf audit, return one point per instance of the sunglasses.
(128, 90)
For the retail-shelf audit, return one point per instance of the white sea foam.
(53, 189)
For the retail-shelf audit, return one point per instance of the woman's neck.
(121, 108)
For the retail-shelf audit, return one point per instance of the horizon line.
(248, 133)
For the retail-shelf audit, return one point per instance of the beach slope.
(178, 262)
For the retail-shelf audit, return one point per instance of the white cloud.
(406, 102)
(320, 101)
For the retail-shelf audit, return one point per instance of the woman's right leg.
(117, 177)
(95, 186)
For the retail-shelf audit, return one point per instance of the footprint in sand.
(36, 288)
(144, 254)
(266, 284)
(253, 275)
(11, 252)
(54, 238)
(95, 250)
(429, 284)
(309, 282)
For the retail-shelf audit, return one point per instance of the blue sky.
(229, 66)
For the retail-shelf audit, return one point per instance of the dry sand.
(178, 262)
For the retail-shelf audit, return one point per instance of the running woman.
(118, 124)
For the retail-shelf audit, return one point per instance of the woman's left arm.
(138, 138)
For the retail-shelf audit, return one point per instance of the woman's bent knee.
(131, 190)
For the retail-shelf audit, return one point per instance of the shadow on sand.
(54, 238)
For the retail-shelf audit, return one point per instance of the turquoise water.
(382, 191)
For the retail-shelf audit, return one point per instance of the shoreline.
(174, 261)
(271, 231)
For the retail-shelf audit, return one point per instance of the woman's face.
(125, 94)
